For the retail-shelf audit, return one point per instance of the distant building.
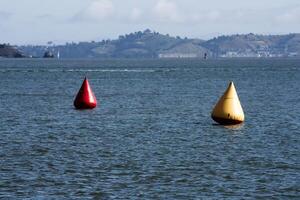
(177, 55)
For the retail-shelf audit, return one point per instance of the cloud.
(166, 10)
(97, 10)
(169, 11)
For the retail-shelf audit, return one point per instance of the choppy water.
(152, 136)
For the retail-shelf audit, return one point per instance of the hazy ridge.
(149, 44)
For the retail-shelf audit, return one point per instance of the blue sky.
(38, 21)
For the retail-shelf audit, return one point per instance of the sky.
(60, 21)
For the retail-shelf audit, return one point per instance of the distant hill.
(8, 51)
(148, 44)
(251, 45)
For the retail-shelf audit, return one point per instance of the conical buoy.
(85, 98)
(228, 110)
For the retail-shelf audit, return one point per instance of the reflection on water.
(235, 127)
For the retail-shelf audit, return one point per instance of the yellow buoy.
(228, 110)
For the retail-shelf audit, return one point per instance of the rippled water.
(152, 136)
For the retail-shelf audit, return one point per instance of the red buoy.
(85, 98)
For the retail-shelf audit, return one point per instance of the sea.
(151, 135)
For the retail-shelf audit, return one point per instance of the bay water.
(151, 136)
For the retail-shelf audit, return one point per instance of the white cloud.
(97, 10)
(166, 10)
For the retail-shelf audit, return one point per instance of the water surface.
(151, 137)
